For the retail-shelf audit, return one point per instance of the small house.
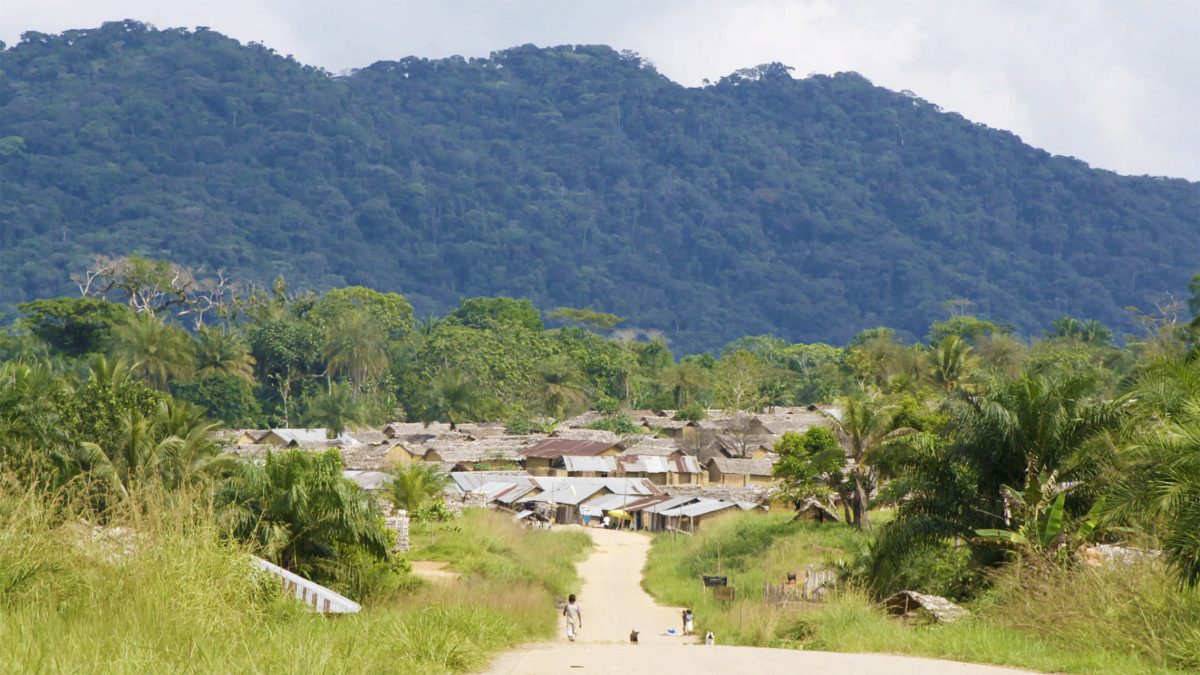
(541, 458)
(740, 472)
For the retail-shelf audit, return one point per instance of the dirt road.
(613, 603)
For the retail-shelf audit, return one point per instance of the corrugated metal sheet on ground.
(316, 596)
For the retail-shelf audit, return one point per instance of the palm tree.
(864, 426)
(1034, 436)
(951, 362)
(335, 410)
(1002, 354)
(684, 379)
(415, 485)
(158, 352)
(452, 397)
(357, 348)
(558, 387)
(174, 445)
(1160, 484)
(223, 352)
(301, 512)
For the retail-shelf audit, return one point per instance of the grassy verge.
(182, 600)
(1127, 621)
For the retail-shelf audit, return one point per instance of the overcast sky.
(1113, 82)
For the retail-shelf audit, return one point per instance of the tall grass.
(1131, 620)
(751, 549)
(168, 594)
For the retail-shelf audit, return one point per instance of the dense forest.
(806, 208)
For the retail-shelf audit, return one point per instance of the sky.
(1115, 83)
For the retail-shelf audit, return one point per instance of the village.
(672, 475)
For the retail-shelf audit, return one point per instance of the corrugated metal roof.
(700, 507)
(629, 486)
(552, 448)
(469, 481)
(515, 495)
(610, 502)
(657, 464)
(667, 505)
(566, 494)
(367, 480)
(597, 464)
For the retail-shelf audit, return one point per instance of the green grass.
(1125, 621)
(186, 601)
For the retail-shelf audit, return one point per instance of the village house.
(544, 458)
(740, 472)
(304, 438)
(674, 469)
(691, 516)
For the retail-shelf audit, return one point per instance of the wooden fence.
(817, 581)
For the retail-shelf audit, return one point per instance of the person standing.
(574, 617)
(688, 621)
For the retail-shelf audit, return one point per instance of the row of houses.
(634, 503)
(729, 450)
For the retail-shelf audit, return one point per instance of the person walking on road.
(574, 617)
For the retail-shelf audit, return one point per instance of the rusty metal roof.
(553, 448)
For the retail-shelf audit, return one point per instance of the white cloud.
(1112, 82)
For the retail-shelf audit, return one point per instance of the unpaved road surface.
(613, 603)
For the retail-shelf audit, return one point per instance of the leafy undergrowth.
(1123, 621)
(175, 598)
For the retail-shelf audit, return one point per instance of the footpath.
(614, 603)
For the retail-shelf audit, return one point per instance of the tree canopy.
(573, 176)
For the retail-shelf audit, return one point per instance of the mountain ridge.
(575, 175)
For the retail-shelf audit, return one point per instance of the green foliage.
(416, 486)
(444, 176)
(335, 410)
(186, 585)
(391, 311)
(493, 313)
(810, 463)
(691, 413)
(223, 352)
(225, 398)
(970, 329)
(157, 351)
(74, 326)
(300, 512)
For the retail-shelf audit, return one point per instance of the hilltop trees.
(808, 208)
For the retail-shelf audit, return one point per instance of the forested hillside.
(809, 208)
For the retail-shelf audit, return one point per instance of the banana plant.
(1048, 532)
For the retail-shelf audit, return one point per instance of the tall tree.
(356, 348)
(558, 387)
(452, 397)
(158, 352)
(951, 362)
(223, 351)
(335, 409)
(864, 426)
